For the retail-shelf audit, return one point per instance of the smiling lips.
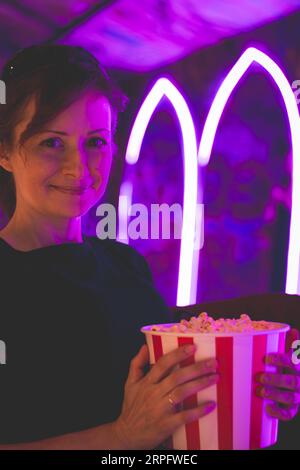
(74, 192)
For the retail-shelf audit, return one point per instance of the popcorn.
(206, 324)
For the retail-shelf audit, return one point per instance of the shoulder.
(122, 253)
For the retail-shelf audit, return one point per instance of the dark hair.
(55, 75)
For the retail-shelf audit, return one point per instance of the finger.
(137, 364)
(188, 416)
(284, 414)
(285, 381)
(184, 391)
(279, 396)
(292, 335)
(185, 374)
(166, 363)
(282, 360)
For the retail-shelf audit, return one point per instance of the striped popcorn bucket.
(240, 420)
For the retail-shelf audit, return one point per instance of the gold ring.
(171, 401)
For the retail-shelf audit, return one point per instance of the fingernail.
(269, 358)
(210, 363)
(190, 348)
(210, 406)
(270, 410)
(266, 379)
(263, 392)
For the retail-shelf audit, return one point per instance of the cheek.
(103, 169)
(40, 168)
(32, 180)
(101, 175)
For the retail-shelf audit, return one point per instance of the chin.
(71, 212)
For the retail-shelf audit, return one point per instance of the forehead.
(91, 111)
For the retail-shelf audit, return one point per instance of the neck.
(30, 232)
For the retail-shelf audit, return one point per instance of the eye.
(97, 142)
(52, 142)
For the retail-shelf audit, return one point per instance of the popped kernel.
(206, 324)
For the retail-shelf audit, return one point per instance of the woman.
(71, 305)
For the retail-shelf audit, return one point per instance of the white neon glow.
(186, 287)
(209, 131)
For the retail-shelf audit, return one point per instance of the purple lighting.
(209, 131)
(187, 274)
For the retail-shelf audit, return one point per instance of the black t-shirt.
(70, 317)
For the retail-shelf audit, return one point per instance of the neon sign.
(209, 131)
(189, 258)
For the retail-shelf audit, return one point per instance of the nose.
(76, 165)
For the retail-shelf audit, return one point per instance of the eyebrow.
(65, 133)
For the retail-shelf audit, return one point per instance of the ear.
(4, 158)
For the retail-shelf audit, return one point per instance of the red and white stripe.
(240, 420)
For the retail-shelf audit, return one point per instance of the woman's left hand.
(283, 386)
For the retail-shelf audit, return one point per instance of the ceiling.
(130, 34)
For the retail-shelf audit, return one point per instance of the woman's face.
(72, 151)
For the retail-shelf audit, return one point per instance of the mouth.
(73, 192)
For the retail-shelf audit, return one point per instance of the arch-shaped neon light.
(186, 287)
(209, 131)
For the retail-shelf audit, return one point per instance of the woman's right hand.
(147, 417)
